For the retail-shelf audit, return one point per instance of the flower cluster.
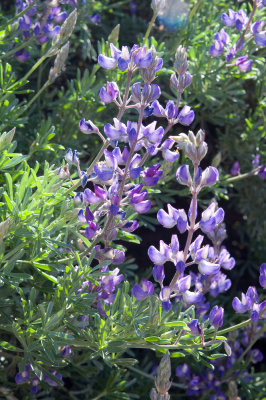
(250, 300)
(39, 25)
(243, 24)
(27, 376)
(119, 181)
(219, 380)
(258, 169)
(192, 286)
(105, 287)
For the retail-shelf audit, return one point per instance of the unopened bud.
(153, 394)
(162, 382)
(158, 6)
(233, 392)
(68, 26)
(200, 137)
(63, 172)
(6, 138)
(180, 63)
(59, 64)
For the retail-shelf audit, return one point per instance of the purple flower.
(208, 267)
(167, 154)
(110, 93)
(133, 7)
(129, 226)
(152, 175)
(243, 63)
(116, 131)
(160, 256)
(192, 297)
(235, 170)
(98, 196)
(139, 202)
(158, 273)
(78, 199)
(95, 18)
(256, 161)
(170, 111)
(241, 20)
(262, 172)
(182, 371)
(209, 176)
(184, 283)
(195, 246)
(143, 291)
(256, 356)
(225, 260)
(84, 318)
(257, 27)
(24, 376)
(183, 175)
(242, 305)
(66, 351)
(260, 38)
(50, 381)
(121, 58)
(174, 217)
(87, 127)
(186, 116)
(219, 284)
(217, 48)
(194, 327)
(230, 19)
(216, 316)
(22, 55)
(262, 278)
(210, 218)
(165, 298)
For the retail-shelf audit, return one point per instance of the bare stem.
(123, 106)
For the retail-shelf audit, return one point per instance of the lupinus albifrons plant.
(247, 28)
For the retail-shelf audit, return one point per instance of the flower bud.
(216, 316)
(59, 64)
(209, 176)
(180, 63)
(184, 81)
(68, 26)
(162, 382)
(183, 175)
(63, 173)
(87, 127)
(110, 93)
(158, 6)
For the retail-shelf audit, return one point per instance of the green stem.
(233, 328)
(150, 27)
(100, 395)
(47, 83)
(35, 66)
(15, 49)
(242, 176)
